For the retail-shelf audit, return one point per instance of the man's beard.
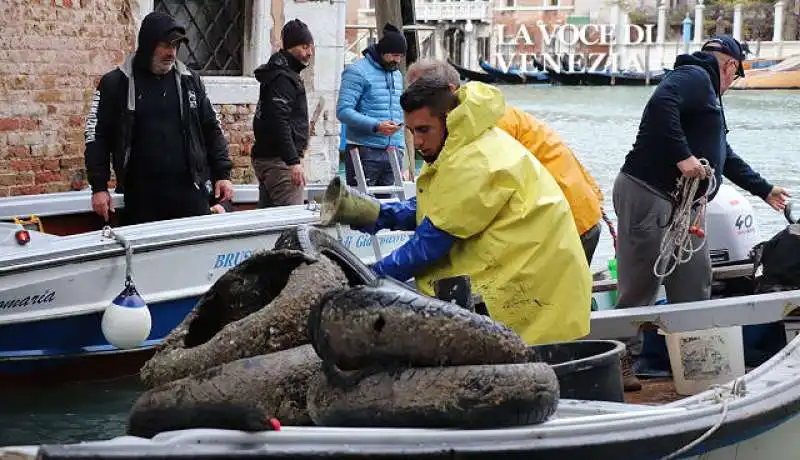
(390, 65)
(162, 67)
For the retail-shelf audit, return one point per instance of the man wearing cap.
(682, 123)
(150, 120)
(369, 106)
(280, 124)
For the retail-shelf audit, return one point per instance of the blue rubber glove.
(426, 246)
(395, 215)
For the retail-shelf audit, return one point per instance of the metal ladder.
(396, 189)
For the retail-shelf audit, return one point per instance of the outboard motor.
(731, 228)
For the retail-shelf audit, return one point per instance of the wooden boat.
(783, 75)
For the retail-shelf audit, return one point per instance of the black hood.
(280, 60)
(156, 27)
(705, 60)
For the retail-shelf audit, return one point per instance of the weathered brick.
(23, 178)
(26, 189)
(44, 177)
(9, 124)
(71, 163)
(8, 179)
(51, 165)
(18, 151)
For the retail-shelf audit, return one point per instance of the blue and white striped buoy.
(126, 321)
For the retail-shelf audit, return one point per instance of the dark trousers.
(275, 186)
(377, 168)
(152, 202)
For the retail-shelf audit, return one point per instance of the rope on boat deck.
(737, 390)
(108, 232)
(676, 245)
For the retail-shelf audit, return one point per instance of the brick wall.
(52, 55)
(237, 121)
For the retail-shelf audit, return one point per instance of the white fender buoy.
(126, 321)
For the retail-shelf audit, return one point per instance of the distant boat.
(471, 75)
(624, 78)
(515, 76)
(784, 75)
(605, 78)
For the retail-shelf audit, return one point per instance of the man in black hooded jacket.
(682, 122)
(151, 120)
(280, 124)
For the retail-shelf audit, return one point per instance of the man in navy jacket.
(682, 123)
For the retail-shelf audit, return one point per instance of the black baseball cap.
(176, 34)
(726, 44)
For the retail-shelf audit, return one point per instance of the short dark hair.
(429, 91)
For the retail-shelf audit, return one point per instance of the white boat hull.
(53, 295)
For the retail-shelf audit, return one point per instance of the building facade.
(54, 52)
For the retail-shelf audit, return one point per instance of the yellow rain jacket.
(515, 234)
(582, 192)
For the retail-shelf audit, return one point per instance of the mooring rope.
(108, 232)
(611, 228)
(676, 245)
(737, 390)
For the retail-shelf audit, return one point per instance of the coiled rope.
(722, 396)
(676, 245)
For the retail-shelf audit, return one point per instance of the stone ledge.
(232, 90)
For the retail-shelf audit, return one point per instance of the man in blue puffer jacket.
(369, 106)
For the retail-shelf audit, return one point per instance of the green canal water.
(598, 123)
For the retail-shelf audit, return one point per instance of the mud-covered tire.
(314, 241)
(387, 322)
(270, 321)
(486, 396)
(275, 383)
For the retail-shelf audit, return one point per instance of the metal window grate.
(215, 30)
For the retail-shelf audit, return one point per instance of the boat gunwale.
(782, 402)
(109, 248)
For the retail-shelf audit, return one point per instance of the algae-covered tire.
(258, 309)
(472, 397)
(386, 322)
(314, 241)
(275, 383)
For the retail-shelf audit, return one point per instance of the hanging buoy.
(126, 321)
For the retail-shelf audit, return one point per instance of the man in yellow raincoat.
(581, 190)
(486, 208)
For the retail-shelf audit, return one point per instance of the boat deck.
(657, 391)
(654, 392)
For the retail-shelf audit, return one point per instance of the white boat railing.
(693, 316)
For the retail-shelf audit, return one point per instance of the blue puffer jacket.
(369, 94)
